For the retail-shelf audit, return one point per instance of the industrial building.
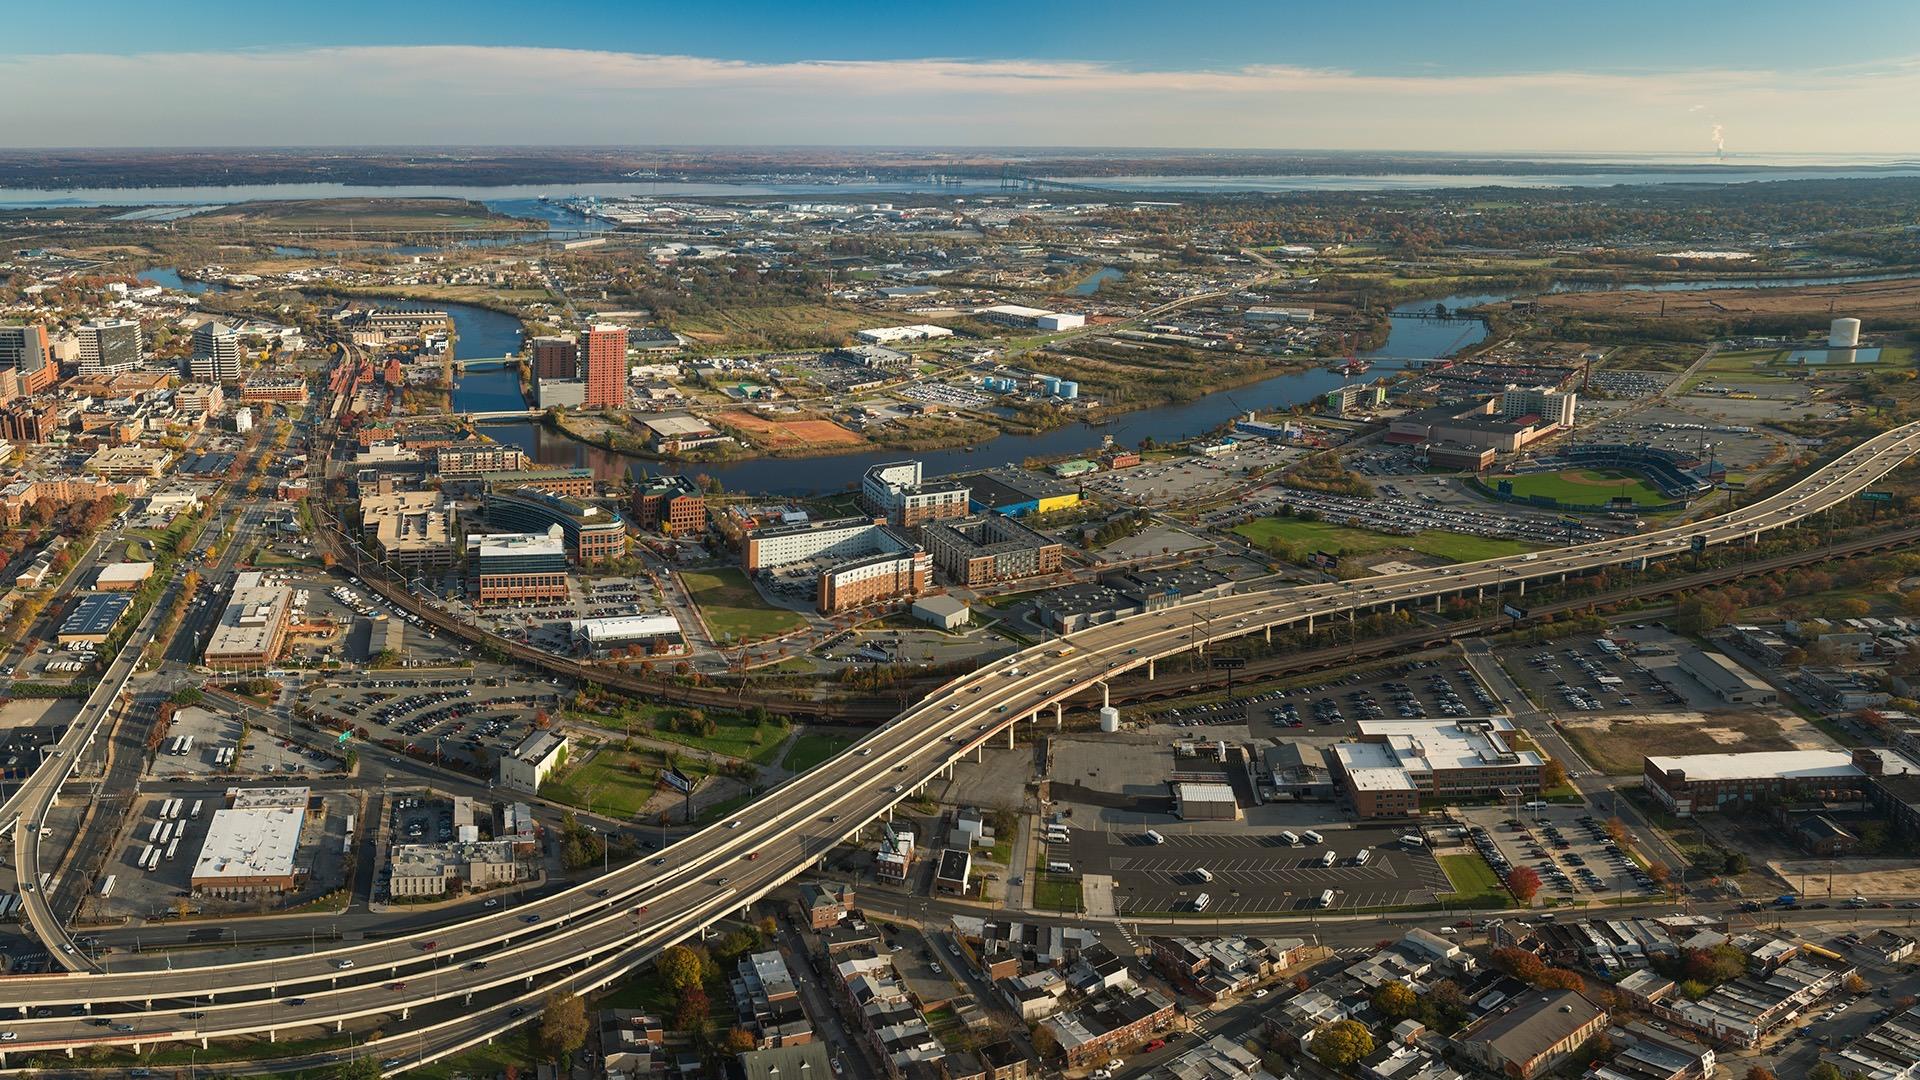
(678, 434)
(1035, 318)
(987, 548)
(1017, 493)
(1117, 595)
(1702, 783)
(518, 567)
(92, 618)
(1728, 681)
(1205, 801)
(527, 766)
(252, 629)
(1531, 1033)
(122, 576)
(598, 635)
(670, 504)
(251, 846)
(887, 335)
(592, 533)
(1395, 763)
(876, 357)
(1296, 315)
(942, 612)
(898, 492)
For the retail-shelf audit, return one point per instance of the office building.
(1396, 763)
(121, 462)
(1549, 405)
(30, 420)
(252, 628)
(518, 567)
(24, 350)
(109, 345)
(574, 483)
(603, 355)
(670, 504)
(423, 870)
(465, 459)
(986, 548)
(1355, 397)
(527, 766)
(216, 353)
(555, 357)
(898, 493)
(593, 533)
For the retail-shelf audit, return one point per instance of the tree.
(1341, 1043)
(1518, 963)
(737, 1041)
(1760, 1072)
(1560, 979)
(1824, 1070)
(563, 1023)
(1300, 983)
(1857, 985)
(1617, 831)
(679, 967)
(1553, 774)
(1524, 884)
(690, 1014)
(1396, 999)
(364, 1067)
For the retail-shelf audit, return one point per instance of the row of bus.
(149, 859)
(164, 831)
(171, 809)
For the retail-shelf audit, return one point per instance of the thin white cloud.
(471, 94)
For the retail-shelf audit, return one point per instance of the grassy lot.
(514, 1050)
(737, 737)
(1618, 748)
(750, 325)
(1296, 539)
(812, 748)
(1474, 882)
(731, 606)
(1052, 892)
(1590, 486)
(622, 781)
(725, 808)
(365, 213)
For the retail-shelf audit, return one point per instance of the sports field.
(1294, 540)
(1585, 486)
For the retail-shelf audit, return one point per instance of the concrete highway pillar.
(1523, 587)
(1269, 630)
(1060, 713)
(338, 1027)
(272, 1036)
(1030, 720)
(1309, 624)
(406, 1011)
(1436, 603)
(1149, 671)
(1479, 592)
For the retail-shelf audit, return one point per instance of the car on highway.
(530, 919)
(343, 965)
(429, 946)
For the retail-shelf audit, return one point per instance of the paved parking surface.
(1570, 854)
(1255, 873)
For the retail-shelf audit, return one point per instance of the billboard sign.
(678, 781)
(1514, 613)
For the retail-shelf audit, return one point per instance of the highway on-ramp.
(593, 933)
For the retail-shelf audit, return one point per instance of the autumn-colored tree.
(1553, 774)
(563, 1023)
(1523, 883)
(691, 1010)
(1301, 982)
(1760, 1072)
(679, 967)
(1341, 1043)
(1396, 1000)
(1518, 963)
(1856, 984)
(1560, 979)
(737, 1041)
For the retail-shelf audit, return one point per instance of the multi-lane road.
(497, 965)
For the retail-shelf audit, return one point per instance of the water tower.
(1109, 719)
(1843, 334)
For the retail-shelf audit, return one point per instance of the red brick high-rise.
(603, 352)
(556, 358)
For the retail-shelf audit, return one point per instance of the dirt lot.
(1814, 301)
(789, 434)
(1615, 743)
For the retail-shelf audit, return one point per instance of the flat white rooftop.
(251, 843)
(1768, 764)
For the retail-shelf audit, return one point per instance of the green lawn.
(737, 737)
(514, 1050)
(732, 608)
(1587, 486)
(1474, 882)
(1052, 892)
(812, 748)
(1296, 539)
(622, 782)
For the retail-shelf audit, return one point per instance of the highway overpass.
(594, 933)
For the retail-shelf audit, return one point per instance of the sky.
(1621, 76)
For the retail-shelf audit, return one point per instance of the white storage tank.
(1843, 334)
(1109, 719)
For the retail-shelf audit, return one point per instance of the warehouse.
(92, 619)
(250, 851)
(1037, 318)
(593, 635)
(1729, 681)
(1205, 802)
(253, 627)
(1017, 493)
(122, 576)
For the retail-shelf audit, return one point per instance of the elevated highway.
(594, 933)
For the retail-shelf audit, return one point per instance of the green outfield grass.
(1296, 539)
(1586, 486)
(731, 607)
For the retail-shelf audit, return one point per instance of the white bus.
(1203, 873)
(1290, 838)
(153, 834)
(1326, 898)
(1155, 838)
(194, 814)
(173, 848)
(186, 745)
(1329, 859)
(1360, 857)
(106, 887)
(1200, 902)
(1414, 840)
(149, 858)
(1055, 866)
(1312, 837)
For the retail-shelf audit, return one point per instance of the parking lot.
(1416, 689)
(1592, 675)
(212, 734)
(547, 626)
(1252, 873)
(1405, 509)
(478, 717)
(1567, 846)
(1183, 479)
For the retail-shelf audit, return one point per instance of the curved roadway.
(593, 933)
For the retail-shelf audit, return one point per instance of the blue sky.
(1385, 74)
